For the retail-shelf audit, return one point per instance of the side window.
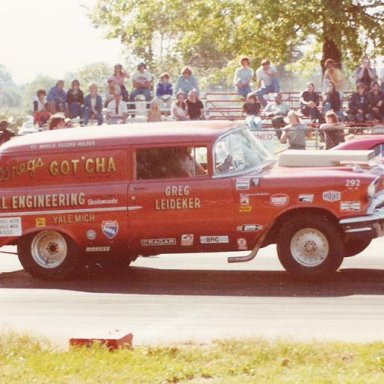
(171, 162)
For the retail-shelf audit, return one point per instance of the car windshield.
(240, 152)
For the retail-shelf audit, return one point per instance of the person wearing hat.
(142, 82)
(187, 82)
(164, 91)
(243, 78)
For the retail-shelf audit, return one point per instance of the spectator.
(117, 110)
(333, 130)
(57, 98)
(142, 83)
(251, 109)
(332, 75)
(112, 90)
(187, 82)
(179, 108)
(154, 113)
(267, 81)
(57, 121)
(120, 75)
(243, 78)
(164, 91)
(332, 101)
(376, 102)
(310, 101)
(5, 133)
(93, 106)
(295, 132)
(358, 104)
(381, 76)
(40, 109)
(75, 100)
(365, 73)
(277, 110)
(195, 107)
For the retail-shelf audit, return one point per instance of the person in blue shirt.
(164, 92)
(57, 98)
(187, 82)
(93, 106)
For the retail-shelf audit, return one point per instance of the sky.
(51, 37)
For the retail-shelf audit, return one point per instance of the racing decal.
(187, 240)
(177, 197)
(244, 199)
(242, 184)
(10, 226)
(97, 249)
(110, 228)
(73, 144)
(74, 218)
(214, 239)
(242, 244)
(353, 183)
(256, 181)
(249, 227)
(17, 169)
(106, 201)
(306, 198)
(157, 242)
(279, 200)
(87, 164)
(245, 209)
(91, 234)
(40, 222)
(331, 196)
(350, 206)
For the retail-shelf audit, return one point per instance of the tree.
(9, 94)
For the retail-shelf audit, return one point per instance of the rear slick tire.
(310, 247)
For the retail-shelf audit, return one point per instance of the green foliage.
(10, 96)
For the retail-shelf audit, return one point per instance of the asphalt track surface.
(198, 298)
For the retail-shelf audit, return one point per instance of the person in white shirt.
(117, 110)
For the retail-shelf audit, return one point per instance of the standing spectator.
(381, 76)
(164, 91)
(332, 101)
(112, 90)
(310, 101)
(358, 104)
(93, 106)
(333, 75)
(376, 102)
(5, 133)
(267, 81)
(365, 73)
(117, 110)
(75, 100)
(57, 98)
(333, 130)
(187, 82)
(120, 75)
(277, 111)
(154, 113)
(195, 107)
(142, 83)
(179, 107)
(251, 109)
(243, 78)
(295, 132)
(40, 108)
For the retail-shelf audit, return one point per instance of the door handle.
(138, 188)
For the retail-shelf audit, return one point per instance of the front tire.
(49, 255)
(310, 247)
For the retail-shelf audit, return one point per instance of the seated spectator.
(332, 75)
(154, 113)
(195, 108)
(117, 112)
(57, 98)
(277, 111)
(243, 78)
(112, 90)
(5, 133)
(142, 84)
(310, 101)
(376, 102)
(75, 100)
(333, 130)
(40, 109)
(295, 132)
(179, 107)
(187, 82)
(164, 91)
(251, 108)
(93, 106)
(57, 121)
(358, 105)
(332, 101)
(267, 81)
(120, 75)
(366, 74)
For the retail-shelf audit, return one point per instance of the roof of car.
(361, 142)
(114, 135)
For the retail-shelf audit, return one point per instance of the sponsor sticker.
(40, 222)
(250, 228)
(242, 244)
(245, 209)
(187, 240)
(279, 200)
(110, 228)
(214, 239)
(256, 182)
(10, 226)
(350, 206)
(91, 234)
(331, 196)
(107, 201)
(97, 249)
(244, 199)
(305, 198)
(157, 242)
(242, 184)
